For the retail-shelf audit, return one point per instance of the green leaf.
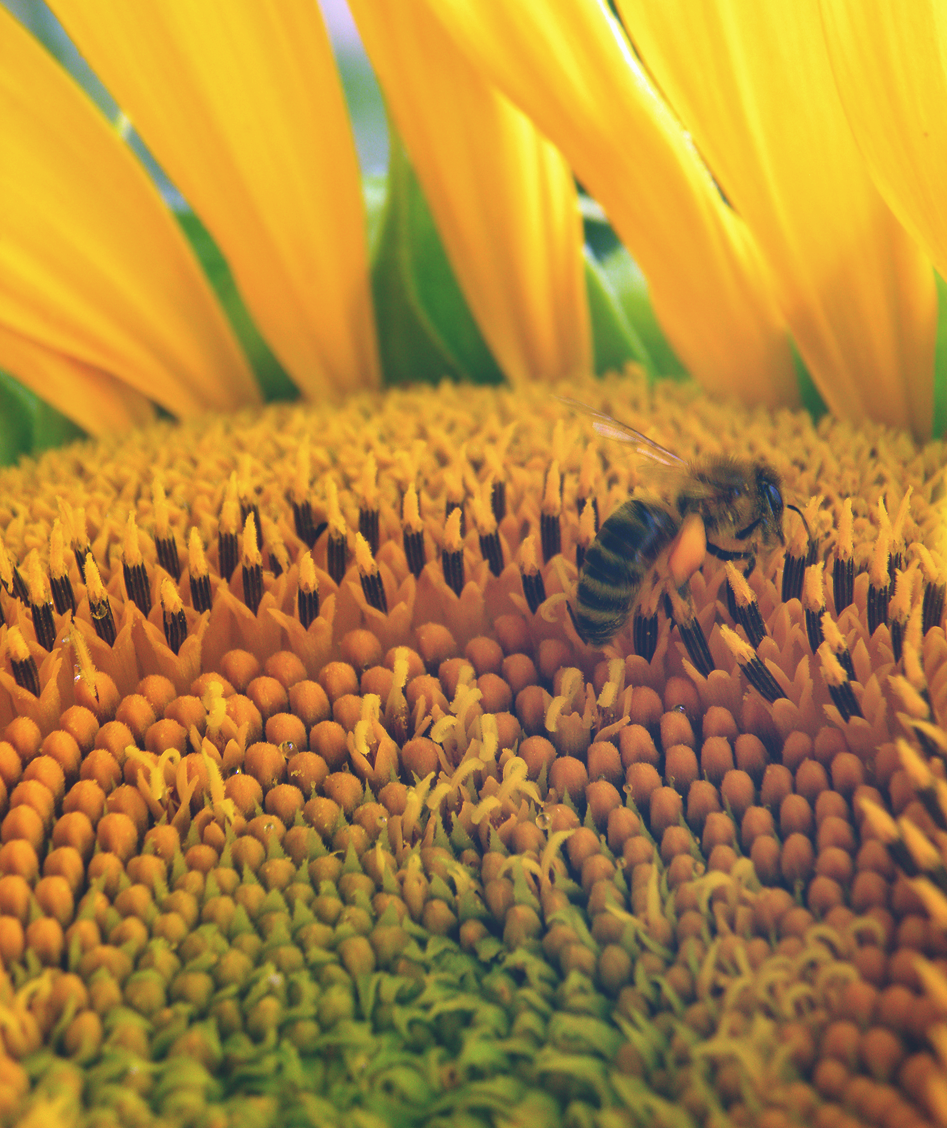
(274, 382)
(425, 330)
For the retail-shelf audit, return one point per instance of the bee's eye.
(774, 498)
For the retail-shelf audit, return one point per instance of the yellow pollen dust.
(410, 512)
(552, 496)
(308, 580)
(131, 552)
(196, 559)
(252, 557)
(453, 541)
(170, 599)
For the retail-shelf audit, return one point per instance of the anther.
(879, 582)
(549, 525)
(588, 526)
(199, 573)
(337, 546)
(307, 597)
(533, 587)
(454, 501)
(368, 573)
(681, 613)
(228, 527)
(745, 609)
(99, 606)
(490, 548)
(10, 576)
(22, 662)
(61, 586)
(813, 602)
(252, 560)
(843, 575)
(413, 532)
(368, 508)
(276, 547)
(749, 662)
(302, 506)
(137, 584)
(452, 557)
(81, 547)
(41, 605)
(803, 550)
(175, 621)
(166, 546)
(838, 683)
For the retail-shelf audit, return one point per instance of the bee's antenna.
(802, 517)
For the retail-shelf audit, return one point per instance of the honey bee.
(729, 507)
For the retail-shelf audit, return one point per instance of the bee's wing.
(610, 428)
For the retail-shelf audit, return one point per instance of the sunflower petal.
(240, 102)
(92, 265)
(502, 196)
(569, 68)
(751, 80)
(96, 401)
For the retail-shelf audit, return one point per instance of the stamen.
(498, 498)
(245, 494)
(692, 635)
(899, 609)
(490, 548)
(302, 506)
(588, 525)
(201, 597)
(413, 532)
(272, 538)
(835, 641)
(307, 597)
(549, 527)
(252, 560)
(935, 587)
(81, 547)
(813, 602)
(370, 576)
(84, 665)
(368, 510)
(228, 526)
(927, 787)
(837, 681)
(884, 828)
(452, 557)
(879, 587)
(843, 575)
(897, 532)
(337, 547)
(588, 474)
(22, 662)
(10, 576)
(165, 544)
(455, 499)
(99, 606)
(63, 596)
(41, 605)
(803, 550)
(533, 587)
(137, 584)
(753, 669)
(746, 610)
(175, 621)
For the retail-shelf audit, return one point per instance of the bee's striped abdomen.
(616, 562)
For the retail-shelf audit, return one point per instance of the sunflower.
(315, 806)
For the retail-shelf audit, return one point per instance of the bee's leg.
(727, 554)
(680, 607)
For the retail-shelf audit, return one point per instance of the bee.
(729, 507)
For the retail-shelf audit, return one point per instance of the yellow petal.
(752, 82)
(92, 265)
(501, 194)
(240, 103)
(96, 401)
(569, 68)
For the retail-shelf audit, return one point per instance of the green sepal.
(29, 425)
